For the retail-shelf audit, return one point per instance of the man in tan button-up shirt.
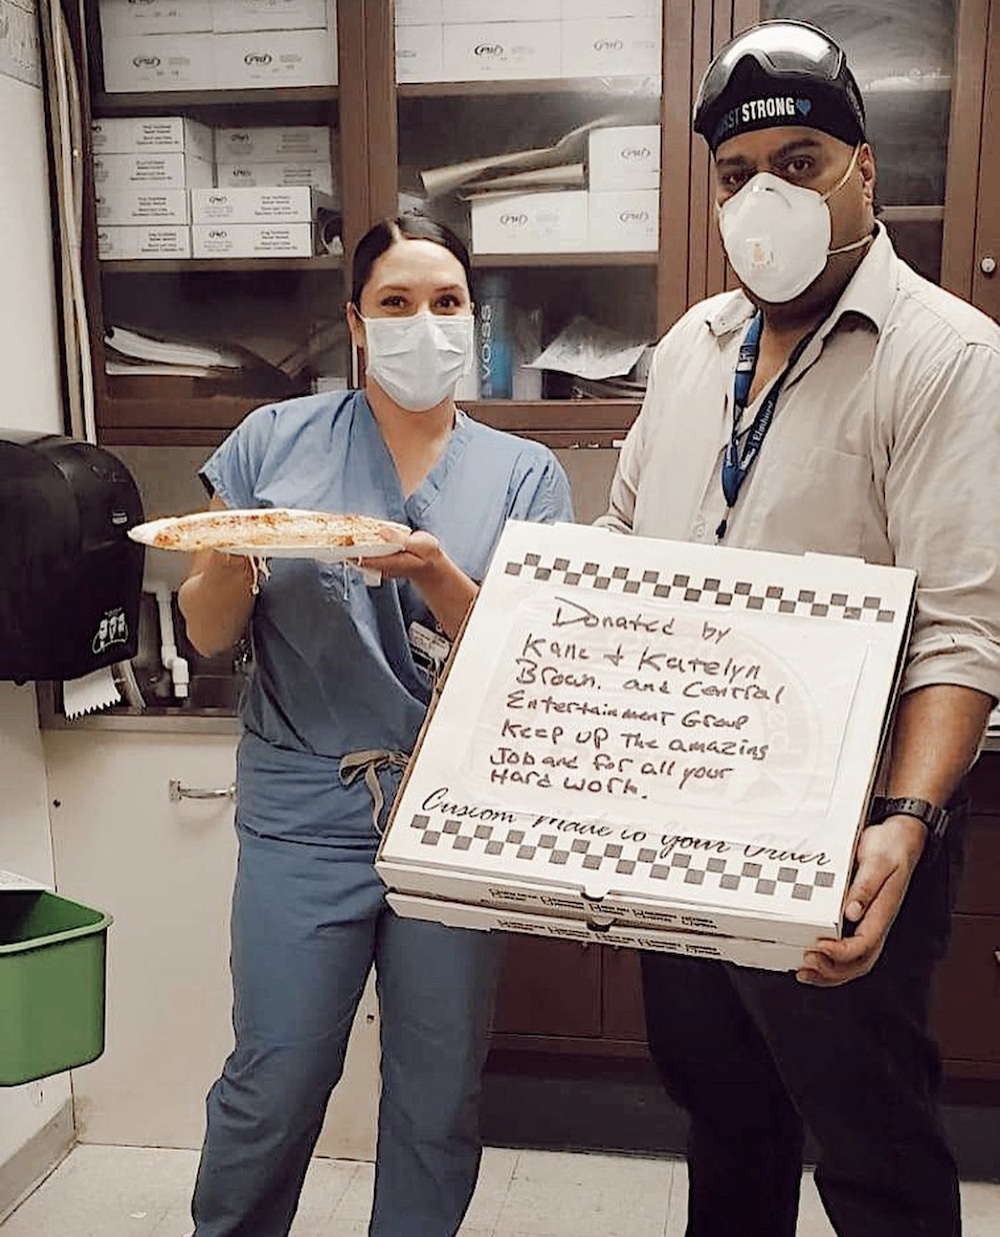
(871, 428)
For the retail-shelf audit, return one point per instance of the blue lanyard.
(738, 460)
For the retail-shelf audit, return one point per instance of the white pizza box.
(632, 726)
(273, 144)
(417, 12)
(139, 17)
(155, 62)
(765, 955)
(255, 175)
(626, 220)
(612, 47)
(467, 12)
(153, 135)
(162, 241)
(261, 59)
(623, 157)
(143, 170)
(420, 53)
(143, 206)
(265, 204)
(252, 240)
(229, 16)
(531, 223)
(501, 51)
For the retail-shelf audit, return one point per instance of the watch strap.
(934, 818)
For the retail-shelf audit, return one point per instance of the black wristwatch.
(934, 818)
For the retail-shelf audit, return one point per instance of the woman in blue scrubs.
(330, 715)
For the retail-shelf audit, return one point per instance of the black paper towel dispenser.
(70, 577)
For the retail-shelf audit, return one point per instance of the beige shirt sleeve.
(942, 497)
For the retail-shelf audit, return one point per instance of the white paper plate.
(323, 553)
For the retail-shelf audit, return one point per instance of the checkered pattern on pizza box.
(734, 594)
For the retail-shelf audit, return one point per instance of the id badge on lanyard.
(430, 650)
(738, 457)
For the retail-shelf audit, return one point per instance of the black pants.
(754, 1056)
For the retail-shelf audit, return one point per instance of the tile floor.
(137, 1192)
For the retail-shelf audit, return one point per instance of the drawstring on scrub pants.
(369, 763)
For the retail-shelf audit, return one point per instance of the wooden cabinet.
(926, 68)
(966, 1006)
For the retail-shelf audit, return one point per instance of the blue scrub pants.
(308, 923)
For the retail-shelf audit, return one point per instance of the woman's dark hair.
(387, 232)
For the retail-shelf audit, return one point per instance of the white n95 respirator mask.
(420, 359)
(777, 235)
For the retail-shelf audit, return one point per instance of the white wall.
(29, 362)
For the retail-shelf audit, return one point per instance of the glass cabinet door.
(903, 54)
(532, 128)
(220, 197)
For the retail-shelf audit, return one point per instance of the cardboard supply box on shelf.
(273, 144)
(268, 204)
(136, 242)
(656, 744)
(252, 240)
(152, 135)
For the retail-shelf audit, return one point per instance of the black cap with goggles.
(779, 73)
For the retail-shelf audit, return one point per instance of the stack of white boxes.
(253, 223)
(274, 156)
(475, 40)
(152, 45)
(624, 189)
(144, 169)
(618, 213)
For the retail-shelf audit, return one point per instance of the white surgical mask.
(777, 235)
(420, 359)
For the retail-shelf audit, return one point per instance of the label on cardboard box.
(270, 58)
(294, 204)
(663, 726)
(147, 206)
(250, 240)
(144, 170)
(238, 15)
(624, 158)
(612, 47)
(257, 175)
(628, 220)
(155, 135)
(273, 144)
(124, 243)
(156, 62)
(502, 51)
(419, 53)
(139, 17)
(530, 223)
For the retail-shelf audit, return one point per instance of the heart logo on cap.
(803, 106)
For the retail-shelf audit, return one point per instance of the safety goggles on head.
(779, 55)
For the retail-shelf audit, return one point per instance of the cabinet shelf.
(169, 101)
(205, 420)
(215, 266)
(634, 87)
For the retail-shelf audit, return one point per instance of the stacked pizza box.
(653, 744)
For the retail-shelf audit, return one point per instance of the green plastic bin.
(52, 984)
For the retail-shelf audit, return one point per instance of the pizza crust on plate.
(274, 532)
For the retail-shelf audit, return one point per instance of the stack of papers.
(559, 166)
(130, 352)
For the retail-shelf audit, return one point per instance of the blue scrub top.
(333, 669)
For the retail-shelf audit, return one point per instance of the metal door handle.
(178, 792)
(988, 265)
